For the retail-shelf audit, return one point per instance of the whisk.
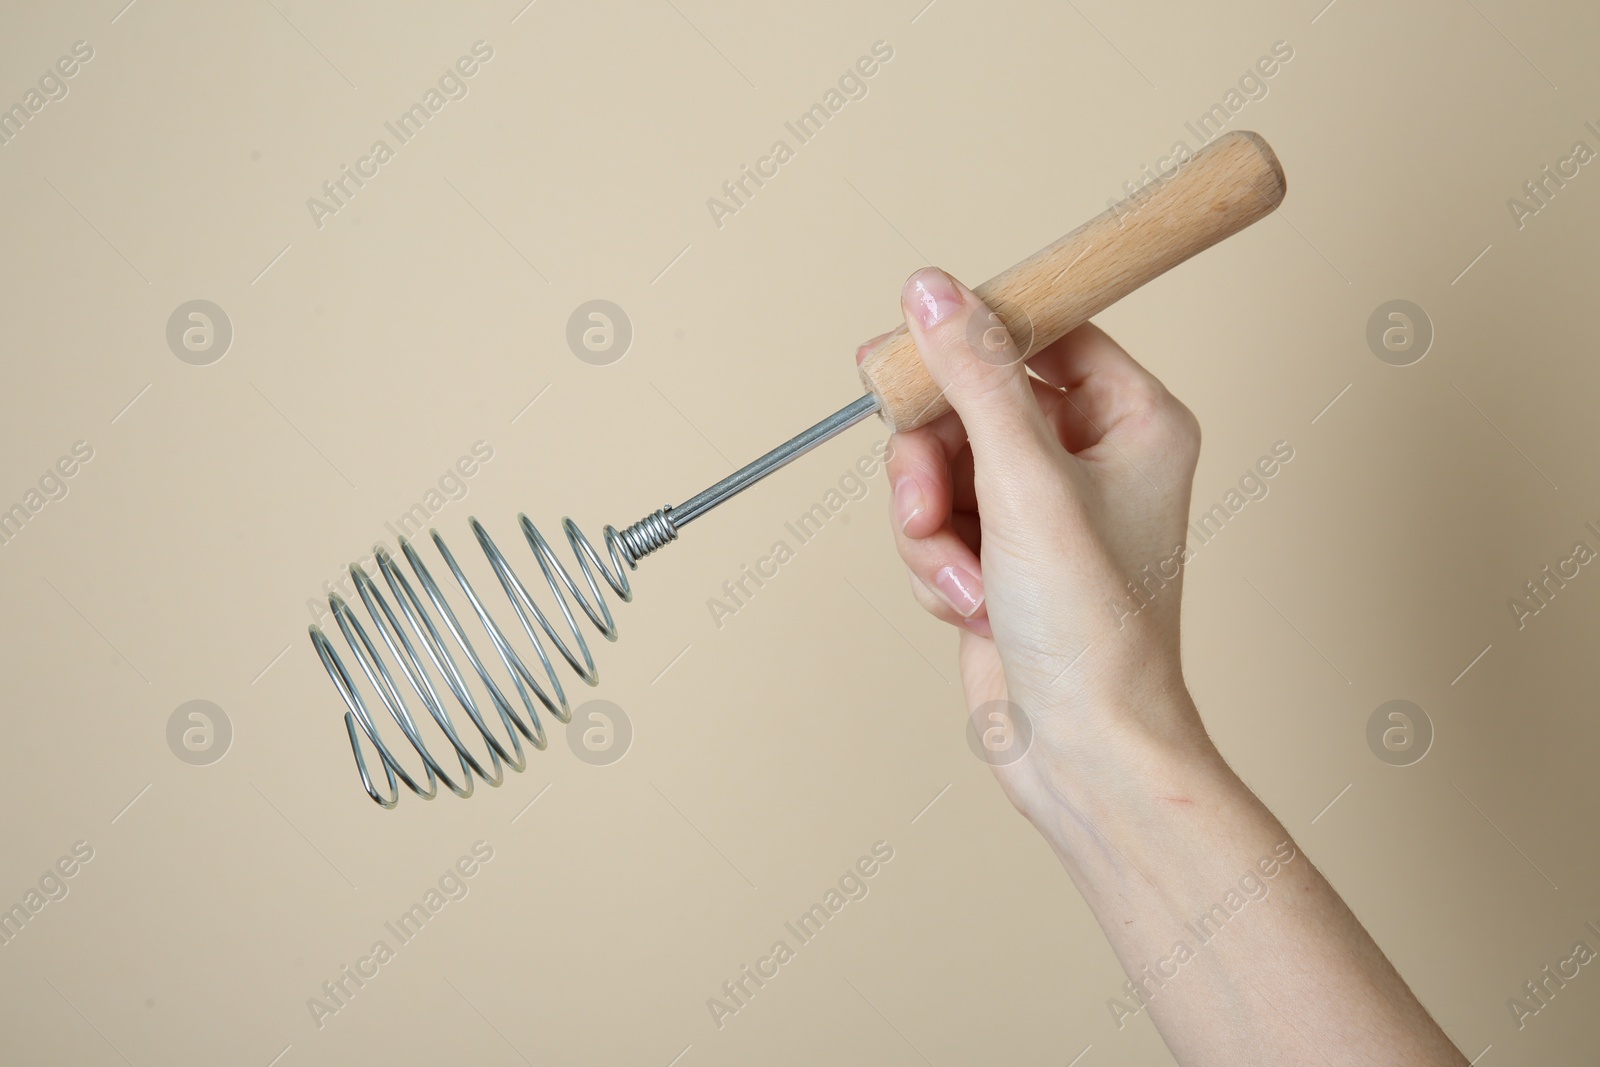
(1227, 185)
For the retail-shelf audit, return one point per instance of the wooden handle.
(1227, 185)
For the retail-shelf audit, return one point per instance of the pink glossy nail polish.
(934, 297)
(960, 589)
(908, 500)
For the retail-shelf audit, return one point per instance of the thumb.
(974, 360)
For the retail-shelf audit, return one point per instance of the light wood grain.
(1226, 186)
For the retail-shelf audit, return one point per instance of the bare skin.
(1021, 516)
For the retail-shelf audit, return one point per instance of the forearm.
(1048, 489)
(1233, 942)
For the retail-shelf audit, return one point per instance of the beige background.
(770, 753)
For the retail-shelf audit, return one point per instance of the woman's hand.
(1046, 516)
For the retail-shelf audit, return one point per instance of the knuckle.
(1185, 426)
(1175, 427)
(908, 448)
(981, 382)
(894, 455)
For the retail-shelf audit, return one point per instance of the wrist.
(1120, 770)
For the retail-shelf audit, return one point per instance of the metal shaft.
(655, 530)
(785, 453)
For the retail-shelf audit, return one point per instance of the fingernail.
(908, 502)
(867, 346)
(934, 296)
(961, 590)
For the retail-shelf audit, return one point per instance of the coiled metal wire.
(625, 548)
(421, 629)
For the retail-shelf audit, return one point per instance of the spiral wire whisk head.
(415, 627)
(420, 629)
